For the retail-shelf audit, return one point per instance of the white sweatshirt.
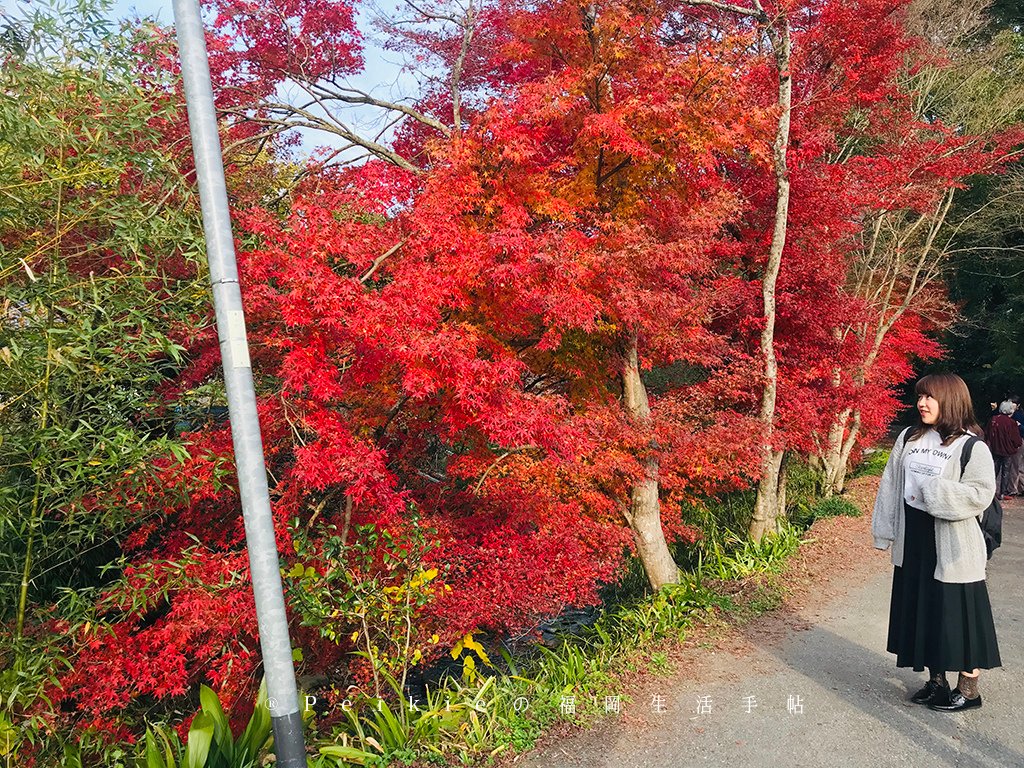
(955, 502)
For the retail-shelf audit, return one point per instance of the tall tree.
(843, 59)
(957, 124)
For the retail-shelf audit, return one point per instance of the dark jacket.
(1003, 436)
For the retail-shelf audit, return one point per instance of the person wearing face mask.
(928, 511)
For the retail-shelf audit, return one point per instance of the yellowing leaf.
(456, 650)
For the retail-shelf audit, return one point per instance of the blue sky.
(162, 10)
(382, 76)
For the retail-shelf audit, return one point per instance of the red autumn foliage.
(452, 341)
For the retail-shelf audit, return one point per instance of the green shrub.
(719, 519)
(29, 668)
(801, 516)
(804, 483)
(836, 506)
(210, 743)
(872, 464)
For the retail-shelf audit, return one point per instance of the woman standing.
(928, 511)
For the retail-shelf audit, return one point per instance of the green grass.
(873, 464)
(835, 506)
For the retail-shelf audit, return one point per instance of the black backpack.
(992, 520)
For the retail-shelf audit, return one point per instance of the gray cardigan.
(956, 504)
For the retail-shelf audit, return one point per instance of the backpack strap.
(902, 436)
(965, 454)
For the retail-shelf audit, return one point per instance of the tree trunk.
(844, 456)
(780, 495)
(644, 514)
(840, 446)
(766, 508)
(835, 467)
(770, 505)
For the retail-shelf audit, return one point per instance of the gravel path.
(811, 683)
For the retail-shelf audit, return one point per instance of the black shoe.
(957, 702)
(932, 693)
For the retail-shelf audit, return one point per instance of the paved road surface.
(853, 699)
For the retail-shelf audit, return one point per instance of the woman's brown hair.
(956, 413)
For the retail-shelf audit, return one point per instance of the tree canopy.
(611, 262)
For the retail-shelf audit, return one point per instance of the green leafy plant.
(25, 676)
(210, 743)
(804, 483)
(93, 209)
(367, 591)
(742, 557)
(804, 487)
(456, 719)
(836, 506)
(872, 464)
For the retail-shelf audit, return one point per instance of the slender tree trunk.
(844, 455)
(903, 279)
(767, 509)
(780, 493)
(770, 504)
(26, 573)
(833, 458)
(644, 513)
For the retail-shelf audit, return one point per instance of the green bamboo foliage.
(91, 208)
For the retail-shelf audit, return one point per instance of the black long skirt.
(945, 627)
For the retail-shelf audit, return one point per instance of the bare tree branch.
(380, 260)
(350, 95)
(755, 13)
(315, 122)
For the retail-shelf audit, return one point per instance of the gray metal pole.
(283, 698)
